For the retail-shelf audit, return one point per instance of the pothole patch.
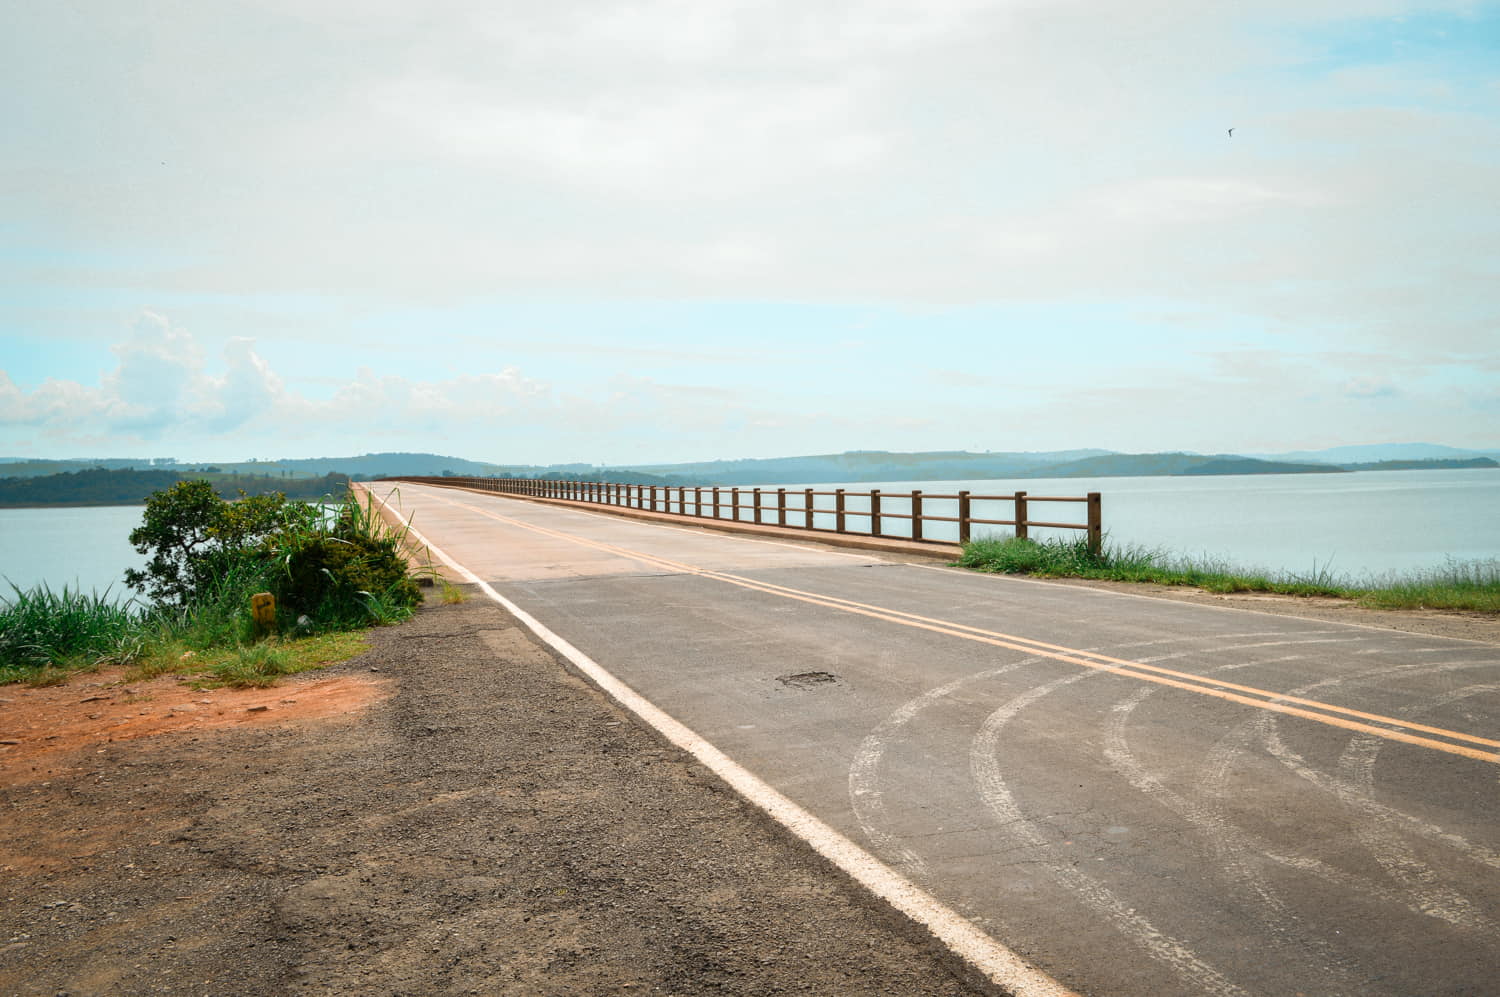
(807, 680)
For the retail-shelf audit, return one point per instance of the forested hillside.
(102, 486)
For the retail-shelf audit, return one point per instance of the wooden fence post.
(1096, 525)
(716, 501)
(875, 512)
(916, 515)
(698, 501)
(781, 507)
(755, 497)
(809, 508)
(734, 504)
(963, 517)
(1021, 515)
(838, 510)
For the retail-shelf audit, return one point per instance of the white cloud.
(247, 389)
(156, 370)
(1369, 387)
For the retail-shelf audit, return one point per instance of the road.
(1134, 795)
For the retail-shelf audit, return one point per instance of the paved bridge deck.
(1132, 795)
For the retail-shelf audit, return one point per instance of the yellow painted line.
(1274, 701)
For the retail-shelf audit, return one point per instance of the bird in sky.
(1231, 133)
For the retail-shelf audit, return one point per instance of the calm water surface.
(1360, 525)
(83, 548)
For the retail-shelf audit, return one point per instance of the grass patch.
(1467, 586)
(253, 667)
(260, 665)
(452, 594)
(243, 665)
(45, 633)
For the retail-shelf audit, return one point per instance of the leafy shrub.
(192, 537)
(208, 556)
(332, 579)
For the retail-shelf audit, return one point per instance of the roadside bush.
(192, 537)
(334, 569)
(344, 580)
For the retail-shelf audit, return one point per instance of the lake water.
(81, 547)
(1360, 524)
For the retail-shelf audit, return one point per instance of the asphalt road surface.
(1135, 795)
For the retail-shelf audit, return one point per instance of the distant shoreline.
(314, 488)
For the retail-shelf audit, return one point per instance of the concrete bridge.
(1075, 789)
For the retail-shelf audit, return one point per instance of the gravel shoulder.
(480, 822)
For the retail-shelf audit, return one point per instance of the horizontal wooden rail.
(798, 508)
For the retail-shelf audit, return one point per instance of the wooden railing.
(910, 513)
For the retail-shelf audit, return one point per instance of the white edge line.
(967, 941)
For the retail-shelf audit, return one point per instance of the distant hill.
(1159, 464)
(869, 465)
(1424, 465)
(107, 486)
(1373, 453)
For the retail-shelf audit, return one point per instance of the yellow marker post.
(263, 611)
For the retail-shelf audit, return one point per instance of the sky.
(688, 230)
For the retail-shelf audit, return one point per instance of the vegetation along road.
(1079, 789)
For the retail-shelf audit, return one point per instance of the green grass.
(244, 665)
(46, 631)
(260, 665)
(1467, 586)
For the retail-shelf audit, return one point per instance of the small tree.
(192, 536)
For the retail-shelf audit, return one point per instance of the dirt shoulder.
(469, 818)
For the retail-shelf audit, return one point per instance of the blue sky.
(667, 231)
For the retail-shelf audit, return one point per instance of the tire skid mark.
(1231, 845)
(990, 782)
(865, 796)
(1397, 857)
(1213, 784)
(1133, 645)
(1352, 794)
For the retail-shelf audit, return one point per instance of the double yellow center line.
(1389, 728)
